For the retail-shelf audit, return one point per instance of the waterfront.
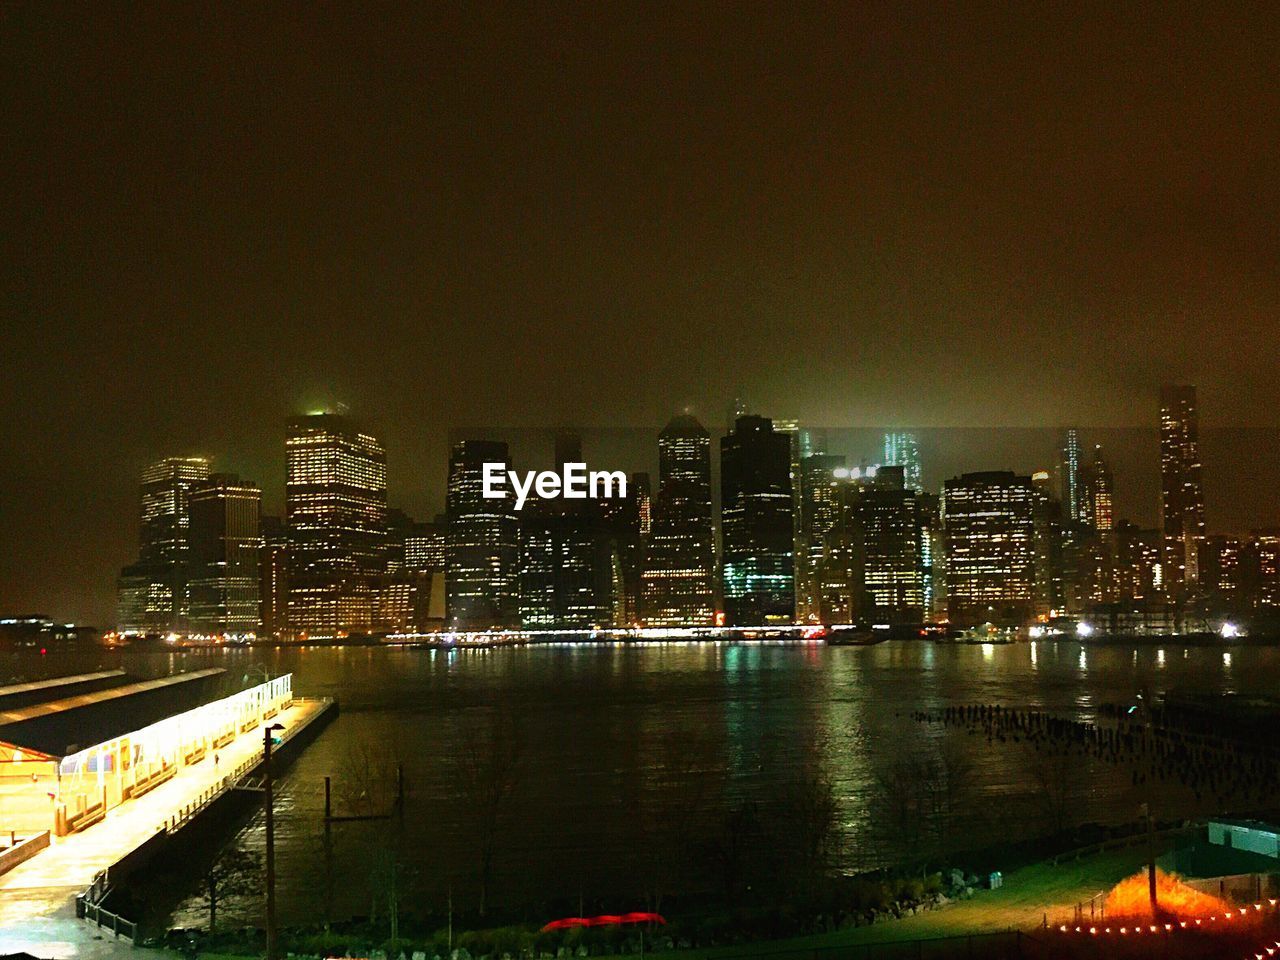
(609, 734)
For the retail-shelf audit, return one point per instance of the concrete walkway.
(37, 898)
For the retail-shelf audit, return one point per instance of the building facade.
(482, 545)
(153, 593)
(336, 511)
(678, 584)
(226, 546)
(1182, 497)
(989, 526)
(757, 524)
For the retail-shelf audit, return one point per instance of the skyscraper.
(989, 525)
(902, 450)
(1182, 499)
(893, 547)
(482, 546)
(273, 589)
(225, 548)
(628, 520)
(756, 524)
(1070, 473)
(336, 510)
(679, 573)
(153, 592)
(570, 573)
(1097, 487)
(819, 496)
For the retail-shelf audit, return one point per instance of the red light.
(43, 651)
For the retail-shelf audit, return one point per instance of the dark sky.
(857, 214)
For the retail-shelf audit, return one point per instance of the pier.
(38, 897)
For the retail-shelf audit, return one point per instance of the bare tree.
(489, 763)
(367, 778)
(688, 778)
(1054, 772)
(235, 872)
(808, 826)
(902, 800)
(948, 788)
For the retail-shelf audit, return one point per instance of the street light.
(268, 739)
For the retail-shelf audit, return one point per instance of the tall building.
(819, 511)
(756, 524)
(1070, 474)
(225, 549)
(628, 520)
(1048, 546)
(273, 583)
(903, 450)
(892, 525)
(1182, 499)
(989, 525)
(336, 510)
(570, 573)
(678, 586)
(482, 548)
(1097, 492)
(153, 592)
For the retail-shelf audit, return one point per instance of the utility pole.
(1144, 699)
(267, 740)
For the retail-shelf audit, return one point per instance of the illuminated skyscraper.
(225, 548)
(628, 520)
(1182, 499)
(1070, 476)
(679, 573)
(989, 525)
(819, 511)
(1097, 492)
(482, 546)
(153, 592)
(273, 590)
(893, 547)
(336, 510)
(570, 574)
(902, 450)
(756, 524)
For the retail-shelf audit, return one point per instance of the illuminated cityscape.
(640, 481)
(796, 537)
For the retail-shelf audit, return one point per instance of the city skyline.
(798, 534)
(1020, 449)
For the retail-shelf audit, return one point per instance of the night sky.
(857, 215)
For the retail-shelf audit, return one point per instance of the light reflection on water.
(598, 721)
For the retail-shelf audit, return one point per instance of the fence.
(88, 907)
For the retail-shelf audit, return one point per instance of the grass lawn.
(1020, 904)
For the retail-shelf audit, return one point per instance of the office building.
(336, 511)
(225, 550)
(756, 524)
(273, 582)
(989, 525)
(678, 585)
(819, 496)
(903, 450)
(153, 592)
(1070, 474)
(1182, 499)
(482, 546)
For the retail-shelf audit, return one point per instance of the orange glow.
(1130, 898)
